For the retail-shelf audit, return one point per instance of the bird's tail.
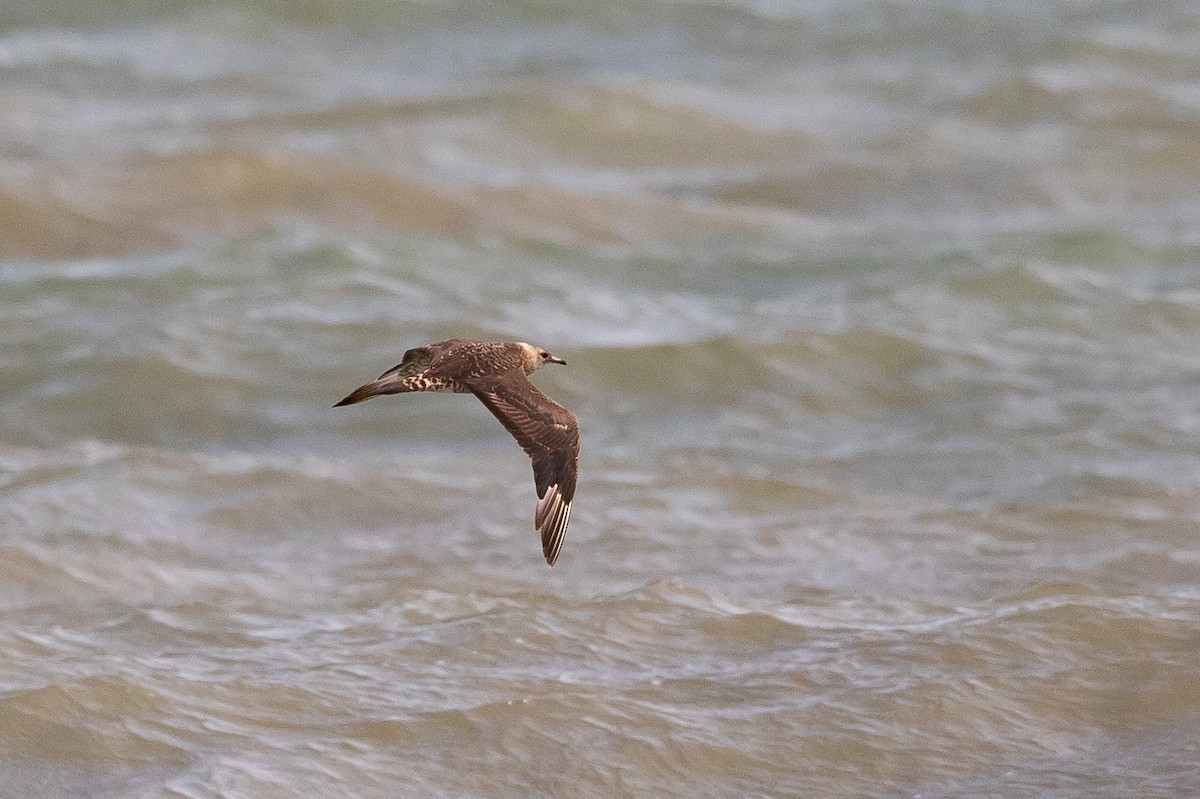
(392, 383)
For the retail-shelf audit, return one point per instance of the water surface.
(882, 322)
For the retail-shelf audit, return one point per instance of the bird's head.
(536, 357)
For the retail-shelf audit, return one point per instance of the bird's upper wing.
(549, 434)
(414, 362)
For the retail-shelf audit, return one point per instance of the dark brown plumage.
(496, 372)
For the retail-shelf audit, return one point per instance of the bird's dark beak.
(556, 359)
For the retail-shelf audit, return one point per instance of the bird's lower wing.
(549, 434)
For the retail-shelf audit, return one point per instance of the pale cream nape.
(531, 357)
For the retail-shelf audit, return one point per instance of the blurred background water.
(883, 329)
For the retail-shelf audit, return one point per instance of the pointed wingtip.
(551, 549)
(361, 394)
(551, 519)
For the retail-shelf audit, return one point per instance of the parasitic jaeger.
(496, 373)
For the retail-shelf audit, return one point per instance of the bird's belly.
(436, 384)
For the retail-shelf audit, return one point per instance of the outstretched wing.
(404, 376)
(549, 435)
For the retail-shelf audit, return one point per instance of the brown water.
(882, 322)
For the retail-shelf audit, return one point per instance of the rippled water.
(883, 330)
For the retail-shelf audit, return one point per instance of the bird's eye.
(543, 355)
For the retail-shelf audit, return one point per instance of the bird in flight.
(497, 373)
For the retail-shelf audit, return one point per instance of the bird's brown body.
(497, 373)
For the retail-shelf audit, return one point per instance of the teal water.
(881, 322)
